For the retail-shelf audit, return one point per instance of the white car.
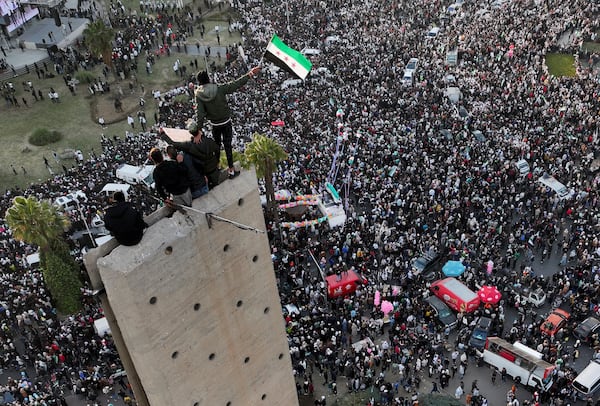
(310, 51)
(454, 8)
(331, 39)
(290, 83)
(412, 65)
(70, 201)
(432, 33)
(523, 167)
(536, 297)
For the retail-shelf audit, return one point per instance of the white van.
(588, 381)
(136, 174)
(560, 189)
(111, 188)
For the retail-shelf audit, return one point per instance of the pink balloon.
(377, 298)
(386, 307)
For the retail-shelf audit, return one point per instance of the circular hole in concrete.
(226, 247)
(196, 403)
(211, 356)
(266, 310)
(197, 306)
(228, 403)
(280, 356)
(175, 354)
(152, 300)
(246, 360)
(169, 250)
(264, 396)
(240, 201)
(239, 303)
(255, 258)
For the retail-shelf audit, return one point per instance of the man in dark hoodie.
(203, 153)
(123, 221)
(171, 178)
(211, 103)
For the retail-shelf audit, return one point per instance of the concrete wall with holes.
(197, 305)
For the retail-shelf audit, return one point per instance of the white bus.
(523, 365)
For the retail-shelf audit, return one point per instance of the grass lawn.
(561, 65)
(76, 117)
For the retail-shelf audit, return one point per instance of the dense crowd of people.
(417, 179)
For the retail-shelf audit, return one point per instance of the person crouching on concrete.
(123, 221)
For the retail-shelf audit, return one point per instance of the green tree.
(98, 38)
(38, 222)
(265, 153)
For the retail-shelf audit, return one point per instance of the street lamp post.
(87, 228)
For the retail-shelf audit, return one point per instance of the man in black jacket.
(205, 152)
(170, 177)
(123, 221)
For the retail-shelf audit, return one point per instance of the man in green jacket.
(211, 103)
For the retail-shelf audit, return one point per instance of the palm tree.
(98, 38)
(38, 222)
(35, 222)
(264, 153)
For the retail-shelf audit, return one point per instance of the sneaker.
(231, 174)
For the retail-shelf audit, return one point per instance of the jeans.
(199, 192)
(225, 133)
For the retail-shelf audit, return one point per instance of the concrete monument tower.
(194, 308)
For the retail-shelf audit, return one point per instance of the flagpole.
(287, 15)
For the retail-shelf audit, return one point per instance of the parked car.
(523, 167)
(442, 312)
(555, 321)
(480, 333)
(409, 78)
(536, 297)
(425, 261)
(70, 201)
(587, 328)
(310, 51)
(412, 65)
(432, 33)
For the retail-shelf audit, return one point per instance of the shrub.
(84, 76)
(61, 277)
(43, 136)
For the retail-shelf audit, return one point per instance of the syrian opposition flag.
(287, 58)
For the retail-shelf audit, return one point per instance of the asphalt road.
(494, 392)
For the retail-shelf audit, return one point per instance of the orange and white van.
(456, 295)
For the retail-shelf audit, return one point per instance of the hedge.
(43, 136)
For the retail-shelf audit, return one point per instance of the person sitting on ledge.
(123, 221)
